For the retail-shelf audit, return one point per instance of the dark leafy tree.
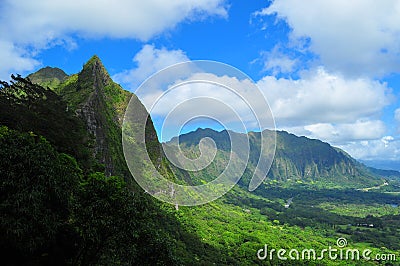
(113, 226)
(28, 107)
(37, 185)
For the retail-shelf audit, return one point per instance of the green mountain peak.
(48, 76)
(95, 59)
(100, 103)
(95, 68)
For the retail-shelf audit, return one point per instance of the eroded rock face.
(101, 103)
(94, 122)
(93, 111)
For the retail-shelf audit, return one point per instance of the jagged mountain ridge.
(100, 103)
(296, 159)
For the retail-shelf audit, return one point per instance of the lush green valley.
(67, 196)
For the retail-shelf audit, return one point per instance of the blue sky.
(329, 69)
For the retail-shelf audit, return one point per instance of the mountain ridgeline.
(297, 159)
(100, 103)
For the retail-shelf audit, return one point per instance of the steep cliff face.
(300, 157)
(94, 76)
(296, 159)
(100, 103)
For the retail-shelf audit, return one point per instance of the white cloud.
(36, 25)
(190, 81)
(340, 133)
(149, 60)
(205, 85)
(397, 114)
(202, 88)
(277, 62)
(364, 140)
(386, 140)
(323, 97)
(45, 20)
(397, 118)
(14, 60)
(355, 37)
(235, 103)
(385, 148)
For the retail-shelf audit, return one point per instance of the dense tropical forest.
(67, 197)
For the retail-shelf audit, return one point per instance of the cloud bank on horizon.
(329, 69)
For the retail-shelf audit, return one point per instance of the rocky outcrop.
(92, 110)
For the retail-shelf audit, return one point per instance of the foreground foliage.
(51, 213)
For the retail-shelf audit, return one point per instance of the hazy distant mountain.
(385, 173)
(384, 165)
